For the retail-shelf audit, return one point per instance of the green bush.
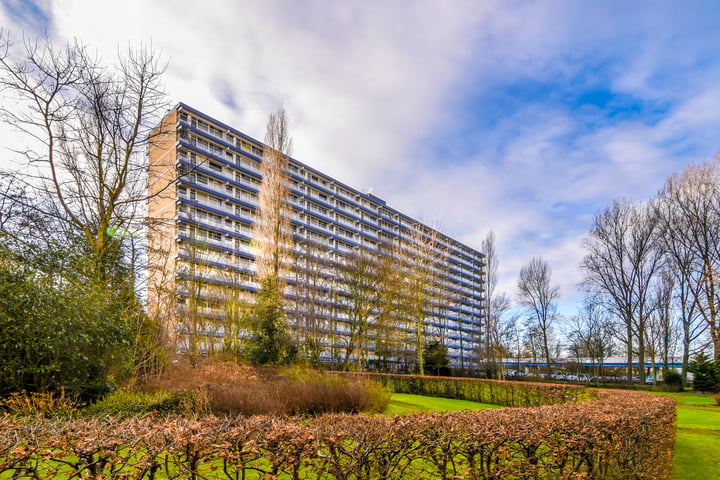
(672, 381)
(705, 373)
(126, 404)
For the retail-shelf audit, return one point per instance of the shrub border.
(619, 435)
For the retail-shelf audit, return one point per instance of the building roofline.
(367, 196)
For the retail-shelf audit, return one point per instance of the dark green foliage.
(436, 359)
(673, 381)
(61, 329)
(270, 343)
(705, 373)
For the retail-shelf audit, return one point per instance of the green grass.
(697, 441)
(403, 404)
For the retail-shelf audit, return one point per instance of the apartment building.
(204, 183)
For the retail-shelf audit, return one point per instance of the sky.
(521, 117)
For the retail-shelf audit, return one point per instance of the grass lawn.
(403, 404)
(697, 441)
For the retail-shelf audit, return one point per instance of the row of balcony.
(461, 254)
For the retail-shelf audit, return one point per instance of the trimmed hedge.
(620, 435)
(496, 392)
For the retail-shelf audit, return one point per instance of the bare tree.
(361, 298)
(591, 335)
(532, 339)
(504, 334)
(423, 255)
(691, 202)
(80, 181)
(661, 326)
(271, 342)
(235, 303)
(683, 263)
(539, 298)
(386, 328)
(87, 127)
(273, 235)
(496, 305)
(620, 267)
(314, 273)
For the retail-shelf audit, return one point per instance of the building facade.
(204, 184)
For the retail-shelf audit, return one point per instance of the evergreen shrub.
(672, 381)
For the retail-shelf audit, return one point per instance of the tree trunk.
(547, 353)
(629, 350)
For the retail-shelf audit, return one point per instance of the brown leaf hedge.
(620, 435)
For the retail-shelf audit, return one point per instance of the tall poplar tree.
(271, 342)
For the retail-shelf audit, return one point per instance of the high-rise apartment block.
(204, 184)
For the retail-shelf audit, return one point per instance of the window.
(215, 166)
(204, 126)
(216, 132)
(246, 179)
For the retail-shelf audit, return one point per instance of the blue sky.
(521, 117)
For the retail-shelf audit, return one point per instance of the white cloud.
(425, 101)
